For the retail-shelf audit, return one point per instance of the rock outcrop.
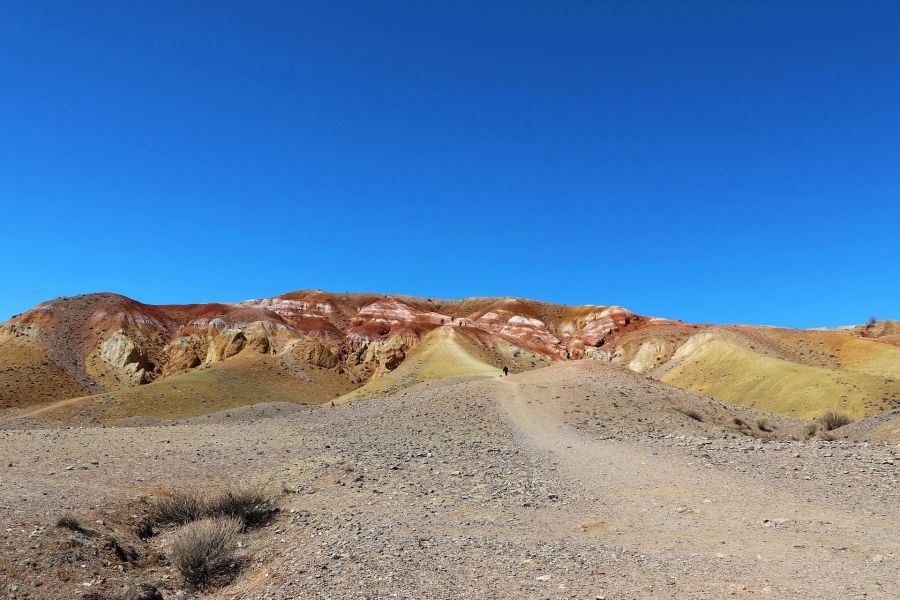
(183, 354)
(125, 358)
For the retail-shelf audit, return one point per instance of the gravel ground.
(532, 486)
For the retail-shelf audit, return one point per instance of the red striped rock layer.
(105, 340)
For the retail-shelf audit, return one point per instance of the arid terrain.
(624, 456)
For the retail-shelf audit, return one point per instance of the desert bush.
(69, 521)
(826, 437)
(177, 508)
(739, 422)
(833, 419)
(811, 428)
(206, 549)
(693, 414)
(251, 506)
(763, 424)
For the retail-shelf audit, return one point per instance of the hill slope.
(723, 369)
(121, 358)
(442, 355)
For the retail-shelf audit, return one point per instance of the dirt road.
(670, 504)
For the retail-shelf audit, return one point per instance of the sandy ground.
(567, 482)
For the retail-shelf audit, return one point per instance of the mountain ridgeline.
(107, 357)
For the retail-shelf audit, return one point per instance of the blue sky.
(708, 161)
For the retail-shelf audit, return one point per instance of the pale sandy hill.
(444, 354)
(718, 365)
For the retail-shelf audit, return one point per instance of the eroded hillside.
(110, 358)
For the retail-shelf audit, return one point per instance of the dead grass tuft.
(693, 414)
(251, 506)
(811, 428)
(832, 420)
(70, 521)
(205, 550)
(178, 508)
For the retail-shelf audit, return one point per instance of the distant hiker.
(505, 371)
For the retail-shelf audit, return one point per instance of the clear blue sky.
(709, 161)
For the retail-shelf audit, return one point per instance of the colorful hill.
(105, 357)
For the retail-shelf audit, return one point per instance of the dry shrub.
(205, 550)
(252, 506)
(69, 521)
(826, 437)
(763, 424)
(693, 414)
(177, 508)
(811, 428)
(833, 419)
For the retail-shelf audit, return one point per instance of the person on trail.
(505, 371)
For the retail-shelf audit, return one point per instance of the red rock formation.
(106, 340)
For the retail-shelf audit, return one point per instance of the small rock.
(543, 578)
(143, 591)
